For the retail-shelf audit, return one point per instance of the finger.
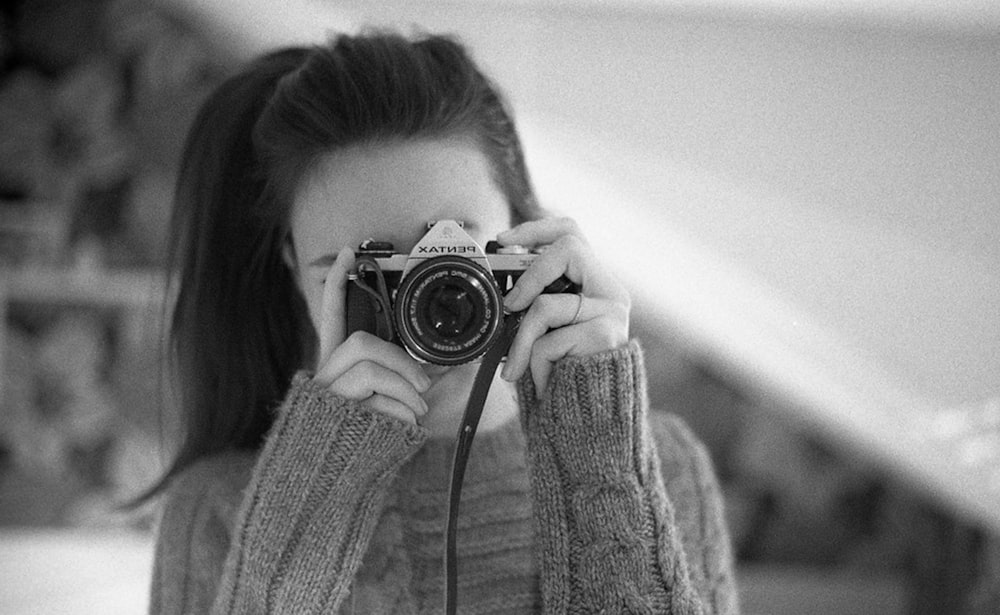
(332, 326)
(363, 346)
(549, 349)
(367, 378)
(391, 407)
(598, 334)
(568, 256)
(547, 312)
(539, 232)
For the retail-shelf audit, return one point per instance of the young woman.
(314, 473)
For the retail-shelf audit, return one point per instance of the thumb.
(332, 325)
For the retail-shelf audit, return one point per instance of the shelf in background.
(138, 292)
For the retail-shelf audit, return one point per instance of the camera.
(442, 302)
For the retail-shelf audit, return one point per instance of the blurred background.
(803, 196)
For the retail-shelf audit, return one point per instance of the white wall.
(854, 168)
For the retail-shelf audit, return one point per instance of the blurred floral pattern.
(95, 97)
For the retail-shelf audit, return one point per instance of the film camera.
(442, 302)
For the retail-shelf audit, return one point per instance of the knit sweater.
(589, 504)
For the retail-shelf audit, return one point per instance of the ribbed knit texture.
(600, 508)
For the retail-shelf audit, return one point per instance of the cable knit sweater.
(589, 505)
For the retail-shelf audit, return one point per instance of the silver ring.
(579, 308)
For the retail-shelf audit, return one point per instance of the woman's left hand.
(561, 325)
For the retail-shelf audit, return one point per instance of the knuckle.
(543, 347)
(386, 406)
(364, 343)
(574, 230)
(571, 242)
(609, 337)
(366, 370)
(544, 305)
(572, 246)
(356, 340)
(620, 310)
(611, 334)
(568, 223)
(348, 389)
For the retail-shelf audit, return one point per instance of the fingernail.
(425, 383)
(505, 373)
(511, 297)
(424, 405)
(344, 257)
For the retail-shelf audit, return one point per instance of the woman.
(314, 473)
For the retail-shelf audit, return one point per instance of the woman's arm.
(611, 538)
(304, 520)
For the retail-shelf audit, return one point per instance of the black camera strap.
(467, 431)
(376, 315)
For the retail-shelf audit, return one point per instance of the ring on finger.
(579, 308)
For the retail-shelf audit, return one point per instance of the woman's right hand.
(363, 366)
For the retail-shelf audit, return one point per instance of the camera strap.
(467, 431)
(376, 316)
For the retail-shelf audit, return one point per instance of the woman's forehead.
(392, 191)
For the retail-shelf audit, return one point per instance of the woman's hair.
(239, 327)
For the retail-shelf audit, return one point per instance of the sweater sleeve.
(611, 538)
(304, 520)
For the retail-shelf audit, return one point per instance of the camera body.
(442, 302)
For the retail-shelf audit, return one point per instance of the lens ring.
(448, 310)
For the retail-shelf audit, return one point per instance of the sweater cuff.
(315, 414)
(327, 453)
(593, 410)
(321, 439)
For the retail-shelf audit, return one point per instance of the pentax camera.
(442, 302)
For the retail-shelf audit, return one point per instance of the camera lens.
(448, 310)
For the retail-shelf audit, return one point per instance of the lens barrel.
(448, 310)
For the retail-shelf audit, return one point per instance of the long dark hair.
(239, 327)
